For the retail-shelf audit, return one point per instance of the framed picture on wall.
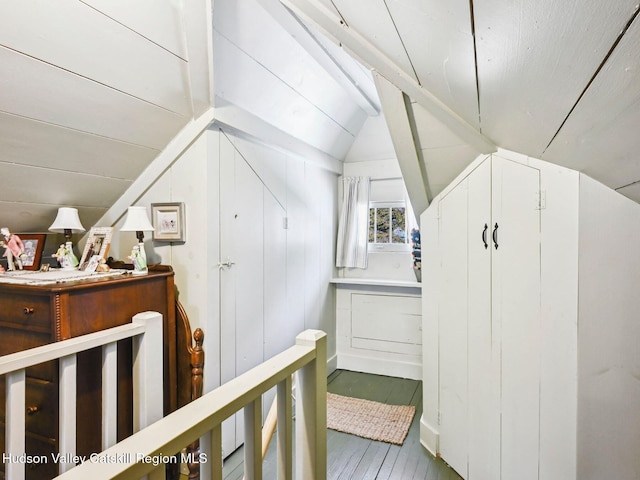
(168, 222)
(33, 247)
(97, 244)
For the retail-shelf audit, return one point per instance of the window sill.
(376, 282)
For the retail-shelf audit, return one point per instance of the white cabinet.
(512, 345)
(379, 327)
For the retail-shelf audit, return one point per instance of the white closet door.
(253, 277)
(241, 281)
(278, 333)
(483, 347)
(453, 328)
(516, 312)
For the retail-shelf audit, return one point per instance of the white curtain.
(353, 229)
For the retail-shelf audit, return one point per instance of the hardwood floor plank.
(333, 375)
(354, 458)
(371, 462)
(346, 454)
(389, 462)
(358, 450)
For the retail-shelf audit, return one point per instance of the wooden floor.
(350, 457)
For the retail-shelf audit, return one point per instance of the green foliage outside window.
(387, 225)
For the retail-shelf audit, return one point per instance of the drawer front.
(26, 311)
(44, 468)
(16, 340)
(41, 407)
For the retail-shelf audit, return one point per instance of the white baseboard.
(379, 366)
(429, 437)
(332, 364)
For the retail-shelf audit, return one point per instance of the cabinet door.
(483, 412)
(453, 328)
(489, 323)
(253, 288)
(516, 312)
(241, 283)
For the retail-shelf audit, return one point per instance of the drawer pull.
(28, 310)
(33, 409)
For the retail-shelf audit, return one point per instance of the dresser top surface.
(47, 284)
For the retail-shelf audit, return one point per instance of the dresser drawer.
(42, 469)
(26, 311)
(15, 340)
(41, 407)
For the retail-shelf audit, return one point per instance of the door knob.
(227, 264)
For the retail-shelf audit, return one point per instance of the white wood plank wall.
(90, 93)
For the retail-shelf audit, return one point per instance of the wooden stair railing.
(192, 345)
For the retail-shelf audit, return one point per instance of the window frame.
(392, 247)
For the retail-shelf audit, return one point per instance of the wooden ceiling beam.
(397, 111)
(314, 12)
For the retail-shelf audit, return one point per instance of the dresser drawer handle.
(33, 409)
(28, 310)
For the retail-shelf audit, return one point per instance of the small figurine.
(60, 255)
(14, 249)
(102, 266)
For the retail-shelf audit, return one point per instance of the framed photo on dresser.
(97, 244)
(33, 247)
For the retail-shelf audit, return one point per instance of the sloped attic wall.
(90, 92)
(262, 70)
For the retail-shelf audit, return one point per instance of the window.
(388, 226)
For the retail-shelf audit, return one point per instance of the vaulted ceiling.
(92, 92)
(557, 80)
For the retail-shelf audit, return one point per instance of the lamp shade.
(137, 220)
(67, 219)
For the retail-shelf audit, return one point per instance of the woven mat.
(373, 420)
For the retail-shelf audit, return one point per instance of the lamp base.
(139, 259)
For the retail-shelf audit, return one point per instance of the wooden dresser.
(31, 316)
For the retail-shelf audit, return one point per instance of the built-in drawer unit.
(379, 327)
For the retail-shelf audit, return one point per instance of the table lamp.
(67, 222)
(138, 221)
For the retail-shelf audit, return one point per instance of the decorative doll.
(14, 249)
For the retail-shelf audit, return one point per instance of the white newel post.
(284, 432)
(253, 440)
(148, 391)
(68, 369)
(109, 395)
(311, 410)
(15, 428)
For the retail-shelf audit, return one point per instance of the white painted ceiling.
(557, 80)
(91, 91)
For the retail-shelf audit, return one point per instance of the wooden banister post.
(311, 410)
(15, 426)
(148, 389)
(68, 370)
(147, 371)
(197, 368)
(109, 395)
(253, 440)
(285, 434)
